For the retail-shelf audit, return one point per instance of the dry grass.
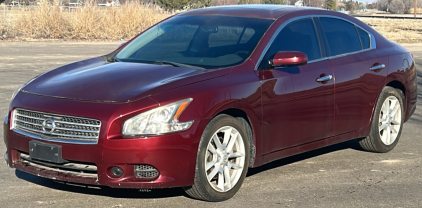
(399, 30)
(122, 23)
(88, 23)
(418, 10)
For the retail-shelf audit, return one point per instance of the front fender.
(240, 89)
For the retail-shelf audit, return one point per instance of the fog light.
(116, 171)
(145, 171)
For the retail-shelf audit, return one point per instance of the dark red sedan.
(198, 98)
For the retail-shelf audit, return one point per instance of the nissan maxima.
(200, 97)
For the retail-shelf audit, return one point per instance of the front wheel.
(222, 160)
(387, 122)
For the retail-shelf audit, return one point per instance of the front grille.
(56, 127)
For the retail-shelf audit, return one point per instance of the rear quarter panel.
(403, 69)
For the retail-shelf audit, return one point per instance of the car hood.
(96, 80)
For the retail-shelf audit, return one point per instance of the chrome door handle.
(325, 78)
(377, 67)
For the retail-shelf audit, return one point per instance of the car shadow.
(352, 144)
(170, 192)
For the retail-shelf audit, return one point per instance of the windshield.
(200, 41)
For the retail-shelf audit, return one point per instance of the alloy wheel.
(224, 159)
(390, 120)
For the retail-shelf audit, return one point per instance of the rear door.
(358, 72)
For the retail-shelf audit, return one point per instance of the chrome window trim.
(350, 53)
(316, 60)
(372, 43)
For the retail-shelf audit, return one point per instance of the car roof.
(264, 11)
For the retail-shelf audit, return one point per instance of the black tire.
(373, 142)
(201, 189)
(252, 148)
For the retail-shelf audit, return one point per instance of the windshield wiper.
(175, 64)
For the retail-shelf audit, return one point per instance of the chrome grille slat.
(62, 128)
(86, 131)
(17, 120)
(76, 124)
(29, 129)
(30, 117)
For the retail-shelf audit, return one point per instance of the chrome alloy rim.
(390, 120)
(224, 159)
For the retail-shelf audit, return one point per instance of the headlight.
(159, 120)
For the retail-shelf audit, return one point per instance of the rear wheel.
(222, 160)
(387, 122)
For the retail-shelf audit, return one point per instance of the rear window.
(225, 36)
(341, 36)
(247, 35)
(174, 43)
(364, 38)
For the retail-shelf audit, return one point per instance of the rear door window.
(364, 38)
(341, 36)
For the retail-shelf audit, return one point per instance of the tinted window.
(230, 36)
(341, 36)
(225, 36)
(170, 42)
(364, 38)
(202, 41)
(297, 36)
(247, 35)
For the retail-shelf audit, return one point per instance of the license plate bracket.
(45, 152)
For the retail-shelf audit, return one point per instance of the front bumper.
(173, 155)
(170, 155)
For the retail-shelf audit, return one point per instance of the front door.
(297, 105)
